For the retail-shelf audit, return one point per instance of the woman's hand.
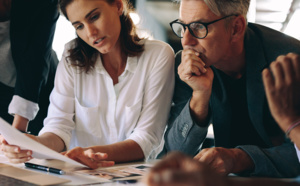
(88, 157)
(14, 153)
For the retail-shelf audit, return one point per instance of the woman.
(112, 89)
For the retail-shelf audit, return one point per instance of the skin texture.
(92, 21)
(282, 88)
(222, 48)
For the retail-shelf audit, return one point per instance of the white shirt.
(18, 105)
(86, 109)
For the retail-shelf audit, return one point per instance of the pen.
(44, 168)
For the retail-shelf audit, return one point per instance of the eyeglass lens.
(198, 29)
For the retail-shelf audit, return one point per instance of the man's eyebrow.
(198, 20)
(86, 16)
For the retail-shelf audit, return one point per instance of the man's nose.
(188, 39)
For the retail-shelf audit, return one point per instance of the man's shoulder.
(273, 42)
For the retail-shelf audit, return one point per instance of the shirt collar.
(131, 65)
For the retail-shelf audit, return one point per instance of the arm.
(158, 91)
(31, 43)
(282, 90)
(183, 132)
(279, 161)
(20, 123)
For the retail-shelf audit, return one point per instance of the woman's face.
(97, 23)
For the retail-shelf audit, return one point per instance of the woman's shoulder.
(157, 46)
(71, 44)
(155, 43)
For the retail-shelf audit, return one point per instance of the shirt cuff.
(23, 107)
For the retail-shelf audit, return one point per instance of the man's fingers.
(205, 156)
(268, 81)
(287, 66)
(278, 73)
(296, 64)
(191, 63)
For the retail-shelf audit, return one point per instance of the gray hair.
(227, 7)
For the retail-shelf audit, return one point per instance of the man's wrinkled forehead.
(194, 10)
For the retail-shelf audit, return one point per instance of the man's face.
(214, 48)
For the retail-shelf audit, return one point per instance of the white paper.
(15, 137)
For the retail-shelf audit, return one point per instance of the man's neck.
(235, 65)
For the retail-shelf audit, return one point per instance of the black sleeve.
(32, 30)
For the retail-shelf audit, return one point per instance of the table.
(73, 177)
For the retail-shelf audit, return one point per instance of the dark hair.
(82, 55)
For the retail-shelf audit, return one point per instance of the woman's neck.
(114, 63)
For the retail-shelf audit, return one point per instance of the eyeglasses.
(197, 29)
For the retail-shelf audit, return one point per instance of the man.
(27, 61)
(282, 90)
(219, 82)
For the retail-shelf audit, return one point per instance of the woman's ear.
(238, 28)
(120, 6)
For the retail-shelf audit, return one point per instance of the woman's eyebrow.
(86, 16)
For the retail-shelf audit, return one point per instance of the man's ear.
(238, 28)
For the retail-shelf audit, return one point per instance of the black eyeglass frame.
(190, 30)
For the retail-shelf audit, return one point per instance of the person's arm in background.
(32, 30)
(282, 86)
(179, 169)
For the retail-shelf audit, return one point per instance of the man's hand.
(282, 86)
(192, 71)
(178, 169)
(88, 157)
(199, 77)
(225, 161)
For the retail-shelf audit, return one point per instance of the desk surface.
(73, 177)
(80, 179)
